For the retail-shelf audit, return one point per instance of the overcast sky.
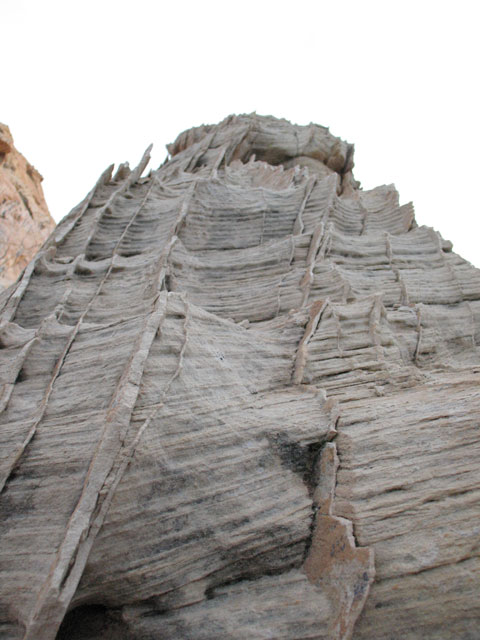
(85, 84)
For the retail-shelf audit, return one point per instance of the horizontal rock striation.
(25, 222)
(234, 391)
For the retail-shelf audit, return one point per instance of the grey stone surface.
(233, 391)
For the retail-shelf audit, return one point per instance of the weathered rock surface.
(234, 392)
(25, 222)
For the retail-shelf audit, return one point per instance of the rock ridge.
(239, 399)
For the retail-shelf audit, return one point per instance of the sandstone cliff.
(25, 222)
(240, 400)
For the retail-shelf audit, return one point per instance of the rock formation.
(25, 222)
(240, 400)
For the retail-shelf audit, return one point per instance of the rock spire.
(240, 400)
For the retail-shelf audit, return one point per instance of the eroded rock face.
(234, 391)
(25, 222)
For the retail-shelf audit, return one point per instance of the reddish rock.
(25, 222)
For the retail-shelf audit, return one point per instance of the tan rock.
(240, 400)
(25, 222)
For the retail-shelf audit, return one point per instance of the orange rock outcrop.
(25, 221)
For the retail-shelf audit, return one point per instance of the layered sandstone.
(25, 222)
(240, 400)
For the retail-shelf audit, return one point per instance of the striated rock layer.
(25, 222)
(240, 400)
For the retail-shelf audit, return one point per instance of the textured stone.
(24, 218)
(234, 390)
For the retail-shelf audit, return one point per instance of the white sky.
(84, 84)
